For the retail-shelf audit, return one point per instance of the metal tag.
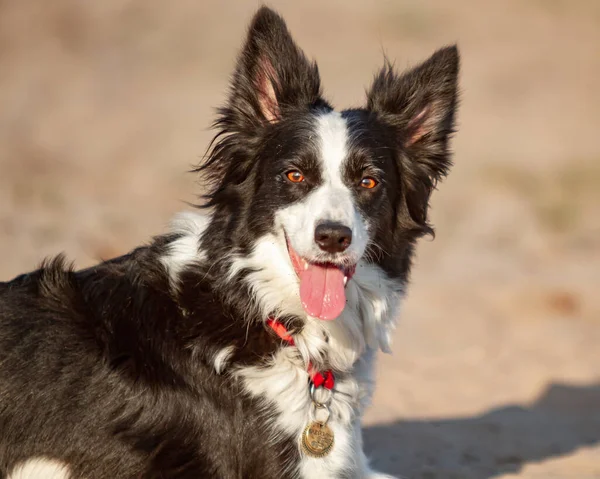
(317, 439)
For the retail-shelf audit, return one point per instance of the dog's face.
(312, 192)
(327, 195)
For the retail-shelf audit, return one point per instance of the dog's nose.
(333, 237)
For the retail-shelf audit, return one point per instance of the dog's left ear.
(421, 105)
(272, 75)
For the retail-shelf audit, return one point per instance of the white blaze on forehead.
(333, 198)
(333, 135)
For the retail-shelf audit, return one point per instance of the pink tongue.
(322, 291)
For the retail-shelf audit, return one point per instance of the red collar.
(325, 379)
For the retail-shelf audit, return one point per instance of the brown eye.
(368, 183)
(295, 176)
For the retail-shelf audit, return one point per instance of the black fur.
(106, 370)
(111, 371)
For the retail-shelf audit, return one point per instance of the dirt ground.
(496, 371)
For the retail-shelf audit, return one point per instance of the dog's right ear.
(272, 76)
(421, 105)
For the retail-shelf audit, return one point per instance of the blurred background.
(104, 106)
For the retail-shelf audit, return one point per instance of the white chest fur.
(284, 384)
(348, 344)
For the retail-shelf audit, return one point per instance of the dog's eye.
(368, 182)
(295, 176)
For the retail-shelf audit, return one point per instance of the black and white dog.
(241, 344)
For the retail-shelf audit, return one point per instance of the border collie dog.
(242, 343)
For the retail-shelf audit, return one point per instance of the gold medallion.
(317, 439)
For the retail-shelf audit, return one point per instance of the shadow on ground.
(500, 441)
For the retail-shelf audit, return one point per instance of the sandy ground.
(496, 372)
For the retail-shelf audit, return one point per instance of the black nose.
(333, 237)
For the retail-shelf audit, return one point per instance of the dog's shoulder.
(56, 282)
(57, 299)
(37, 291)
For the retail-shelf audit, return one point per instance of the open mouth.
(322, 285)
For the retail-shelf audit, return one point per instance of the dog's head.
(303, 193)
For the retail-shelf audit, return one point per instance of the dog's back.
(57, 388)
